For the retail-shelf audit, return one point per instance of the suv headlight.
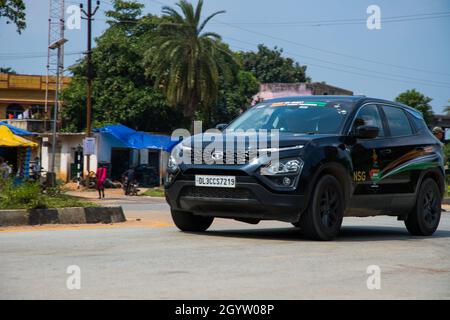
(282, 167)
(283, 173)
(175, 158)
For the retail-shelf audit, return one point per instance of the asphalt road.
(147, 258)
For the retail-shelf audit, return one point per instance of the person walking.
(101, 177)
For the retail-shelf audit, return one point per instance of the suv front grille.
(221, 193)
(230, 157)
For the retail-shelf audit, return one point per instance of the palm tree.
(186, 61)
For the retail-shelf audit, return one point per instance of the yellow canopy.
(9, 139)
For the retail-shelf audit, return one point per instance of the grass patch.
(66, 201)
(154, 192)
(29, 196)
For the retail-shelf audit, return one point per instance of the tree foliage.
(13, 11)
(188, 61)
(7, 70)
(234, 98)
(269, 66)
(150, 72)
(121, 91)
(419, 101)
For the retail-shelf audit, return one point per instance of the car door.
(401, 149)
(367, 156)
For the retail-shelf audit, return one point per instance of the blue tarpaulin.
(137, 139)
(17, 131)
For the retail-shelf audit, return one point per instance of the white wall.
(68, 145)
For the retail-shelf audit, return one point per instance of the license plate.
(215, 181)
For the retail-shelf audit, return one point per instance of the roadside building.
(23, 100)
(68, 146)
(275, 90)
(117, 147)
(120, 148)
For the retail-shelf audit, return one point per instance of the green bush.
(27, 195)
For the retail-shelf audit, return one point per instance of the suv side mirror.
(221, 126)
(366, 132)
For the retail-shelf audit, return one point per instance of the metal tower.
(55, 32)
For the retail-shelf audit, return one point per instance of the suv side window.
(369, 116)
(398, 121)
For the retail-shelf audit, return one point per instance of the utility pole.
(58, 45)
(88, 16)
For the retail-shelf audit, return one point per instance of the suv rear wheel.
(424, 219)
(186, 221)
(323, 218)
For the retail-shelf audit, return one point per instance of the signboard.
(89, 146)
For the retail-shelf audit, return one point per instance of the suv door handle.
(386, 151)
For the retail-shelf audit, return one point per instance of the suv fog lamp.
(287, 181)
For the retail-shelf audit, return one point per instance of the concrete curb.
(62, 216)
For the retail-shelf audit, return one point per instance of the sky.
(330, 37)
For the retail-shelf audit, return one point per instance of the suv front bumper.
(249, 200)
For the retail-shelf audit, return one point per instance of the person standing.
(101, 177)
(128, 180)
(5, 169)
(438, 133)
(36, 169)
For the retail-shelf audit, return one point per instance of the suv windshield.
(295, 117)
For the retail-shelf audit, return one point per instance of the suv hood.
(249, 140)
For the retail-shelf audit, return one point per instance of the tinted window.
(397, 121)
(369, 116)
(418, 121)
(306, 116)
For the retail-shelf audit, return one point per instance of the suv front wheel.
(424, 219)
(323, 218)
(186, 221)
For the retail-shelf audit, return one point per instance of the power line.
(372, 76)
(333, 22)
(34, 56)
(334, 52)
(320, 49)
(350, 66)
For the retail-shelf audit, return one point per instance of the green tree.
(7, 70)
(269, 66)
(234, 97)
(419, 101)
(186, 61)
(121, 91)
(13, 11)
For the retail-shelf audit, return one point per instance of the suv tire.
(322, 219)
(186, 221)
(424, 219)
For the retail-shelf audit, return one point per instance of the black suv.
(323, 158)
